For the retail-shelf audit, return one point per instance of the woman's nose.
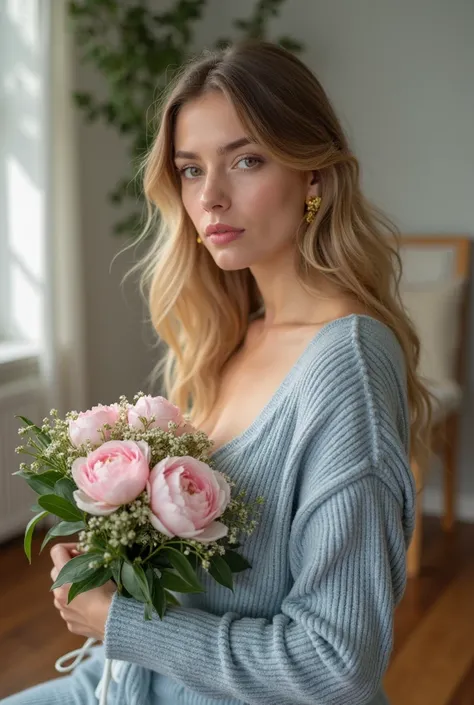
(214, 196)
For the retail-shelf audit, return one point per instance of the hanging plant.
(137, 50)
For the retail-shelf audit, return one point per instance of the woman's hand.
(87, 613)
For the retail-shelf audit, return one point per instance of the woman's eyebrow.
(225, 149)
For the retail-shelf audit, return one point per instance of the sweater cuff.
(122, 638)
(155, 643)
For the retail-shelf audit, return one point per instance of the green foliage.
(41, 483)
(100, 577)
(221, 572)
(138, 50)
(77, 569)
(60, 507)
(42, 437)
(29, 533)
(62, 528)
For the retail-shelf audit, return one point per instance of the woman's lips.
(225, 237)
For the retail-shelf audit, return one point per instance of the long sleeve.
(330, 643)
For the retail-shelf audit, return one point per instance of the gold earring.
(313, 205)
(198, 240)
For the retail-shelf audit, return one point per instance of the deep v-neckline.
(282, 387)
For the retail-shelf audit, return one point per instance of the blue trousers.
(75, 689)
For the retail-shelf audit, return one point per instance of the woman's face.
(231, 182)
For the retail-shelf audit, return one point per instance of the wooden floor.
(432, 661)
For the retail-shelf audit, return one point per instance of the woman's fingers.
(67, 546)
(61, 553)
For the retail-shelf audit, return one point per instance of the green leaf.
(235, 561)
(135, 582)
(193, 559)
(82, 100)
(142, 579)
(221, 572)
(173, 581)
(29, 533)
(41, 482)
(64, 488)
(76, 569)
(43, 437)
(158, 597)
(100, 577)
(148, 612)
(25, 420)
(60, 507)
(159, 561)
(116, 568)
(62, 528)
(171, 599)
(184, 568)
(124, 592)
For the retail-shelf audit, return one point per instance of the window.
(23, 175)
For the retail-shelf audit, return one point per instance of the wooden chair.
(429, 260)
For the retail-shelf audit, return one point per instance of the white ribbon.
(112, 668)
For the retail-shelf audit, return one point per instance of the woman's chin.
(232, 262)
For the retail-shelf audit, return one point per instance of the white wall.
(117, 351)
(400, 77)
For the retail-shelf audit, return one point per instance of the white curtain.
(63, 363)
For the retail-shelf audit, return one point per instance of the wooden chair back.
(434, 258)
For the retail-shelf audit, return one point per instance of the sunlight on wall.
(26, 255)
(22, 172)
(24, 17)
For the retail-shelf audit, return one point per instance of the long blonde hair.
(202, 312)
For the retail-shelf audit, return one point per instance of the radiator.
(23, 398)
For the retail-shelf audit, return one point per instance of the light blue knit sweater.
(312, 621)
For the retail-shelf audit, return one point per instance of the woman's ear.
(314, 186)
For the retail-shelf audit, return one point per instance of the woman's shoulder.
(353, 406)
(355, 341)
(355, 365)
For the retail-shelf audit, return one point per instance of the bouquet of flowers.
(137, 483)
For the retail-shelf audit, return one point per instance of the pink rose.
(186, 495)
(113, 474)
(88, 424)
(163, 411)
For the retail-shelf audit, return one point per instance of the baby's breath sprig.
(46, 444)
(117, 531)
(130, 527)
(164, 443)
(60, 454)
(238, 515)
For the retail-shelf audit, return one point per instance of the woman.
(274, 285)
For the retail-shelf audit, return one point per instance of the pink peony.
(112, 475)
(186, 496)
(163, 411)
(88, 424)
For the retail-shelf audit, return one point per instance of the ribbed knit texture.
(312, 621)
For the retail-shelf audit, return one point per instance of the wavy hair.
(202, 312)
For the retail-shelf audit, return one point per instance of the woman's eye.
(188, 172)
(192, 172)
(254, 161)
